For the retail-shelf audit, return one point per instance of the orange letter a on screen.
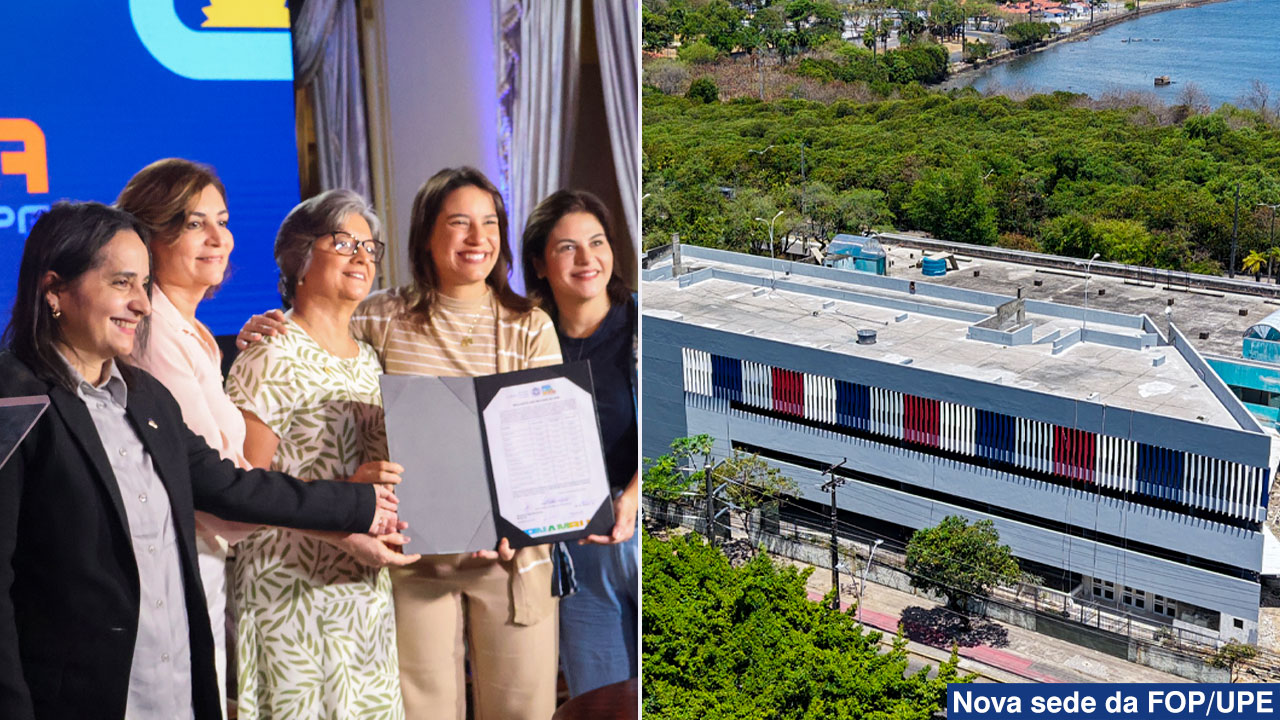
(32, 160)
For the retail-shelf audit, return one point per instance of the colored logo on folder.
(558, 528)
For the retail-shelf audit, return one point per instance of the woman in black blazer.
(75, 563)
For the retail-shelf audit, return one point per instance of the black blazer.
(68, 581)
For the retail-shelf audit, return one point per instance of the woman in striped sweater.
(459, 317)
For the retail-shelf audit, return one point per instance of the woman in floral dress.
(316, 628)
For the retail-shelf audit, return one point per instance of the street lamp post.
(775, 217)
(1087, 267)
(862, 588)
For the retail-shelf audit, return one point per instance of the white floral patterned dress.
(316, 629)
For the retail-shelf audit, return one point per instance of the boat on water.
(1163, 80)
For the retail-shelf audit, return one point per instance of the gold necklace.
(466, 341)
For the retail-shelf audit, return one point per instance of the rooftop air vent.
(866, 337)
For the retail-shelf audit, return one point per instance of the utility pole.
(1235, 228)
(712, 490)
(831, 485)
(711, 501)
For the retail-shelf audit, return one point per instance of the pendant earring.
(57, 314)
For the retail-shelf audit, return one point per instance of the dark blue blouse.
(610, 349)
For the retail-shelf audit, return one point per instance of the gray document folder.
(433, 431)
(458, 496)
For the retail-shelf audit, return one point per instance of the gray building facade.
(1096, 444)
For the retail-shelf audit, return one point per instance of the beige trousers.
(444, 608)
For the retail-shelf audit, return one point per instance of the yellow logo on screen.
(246, 14)
(239, 40)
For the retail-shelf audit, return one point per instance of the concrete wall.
(666, 337)
(1171, 662)
(1019, 336)
(1128, 342)
(662, 415)
(1071, 312)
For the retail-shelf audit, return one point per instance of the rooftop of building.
(1213, 320)
(951, 327)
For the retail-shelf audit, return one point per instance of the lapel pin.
(152, 423)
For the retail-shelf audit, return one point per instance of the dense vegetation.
(1138, 184)
(920, 62)
(723, 642)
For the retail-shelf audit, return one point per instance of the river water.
(1221, 48)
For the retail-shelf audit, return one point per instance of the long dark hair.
(426, 208)
(68, 239)
(538, 229)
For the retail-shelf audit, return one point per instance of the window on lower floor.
(1104, 590)
(1134, 598)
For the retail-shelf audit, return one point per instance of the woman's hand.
(375, 551)
(385, 520)
(378, 472)
(624, 518)
(260, 326)
(504, 552)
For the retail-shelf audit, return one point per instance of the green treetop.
(723, 642)
(960, 560)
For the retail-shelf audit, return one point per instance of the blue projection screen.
(93, 91)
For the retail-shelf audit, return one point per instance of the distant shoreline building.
(1101, 448)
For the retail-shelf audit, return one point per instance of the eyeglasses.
(345, 243)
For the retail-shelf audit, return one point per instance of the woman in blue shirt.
(569, 269)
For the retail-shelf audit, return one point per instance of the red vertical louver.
(779, 389)
(788, 391)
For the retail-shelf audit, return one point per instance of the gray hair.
(311, 219)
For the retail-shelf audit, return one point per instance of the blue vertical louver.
(994, 436)
(1146, 470)
(1159, 472)
(853, 405)
(1177, 463)
(982, 433)
(726, 378)
(1008, 437)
